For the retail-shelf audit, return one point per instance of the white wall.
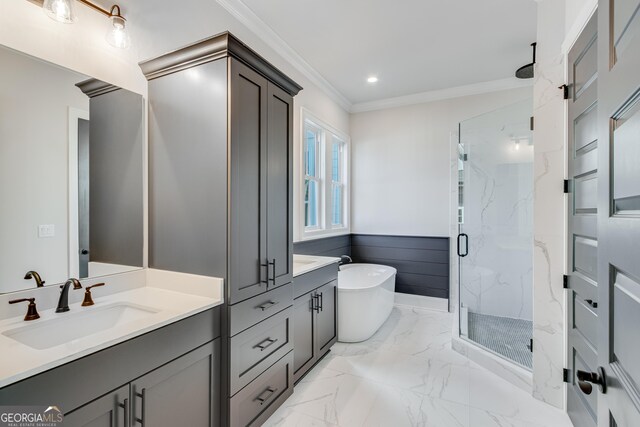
(34, 140)
(400, 163)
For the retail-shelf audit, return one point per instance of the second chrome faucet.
(63, 301)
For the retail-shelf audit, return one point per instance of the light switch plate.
(46, 230)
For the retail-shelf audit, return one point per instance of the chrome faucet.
(35, 276)
(63, 302)
(345, 259)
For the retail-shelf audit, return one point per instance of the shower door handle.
(466, 245)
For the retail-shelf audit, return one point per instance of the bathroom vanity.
(315, 310)
(110, 364)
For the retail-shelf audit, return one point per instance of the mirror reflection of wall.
(71, 174)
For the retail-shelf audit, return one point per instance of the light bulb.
(118, 36)
(60, 10)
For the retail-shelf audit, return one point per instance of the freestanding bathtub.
(365, 299)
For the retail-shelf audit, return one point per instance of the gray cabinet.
(111, 410)
(315, 327)
(143, 378)
(221, 165)
(261, 244)
(178, 392)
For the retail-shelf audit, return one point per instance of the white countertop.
(188, 297)
(305, 263)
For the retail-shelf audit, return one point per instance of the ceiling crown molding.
(438, 95)
(246, 16)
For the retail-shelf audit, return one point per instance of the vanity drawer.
(257, 348)
(257, 401)
(247, 313)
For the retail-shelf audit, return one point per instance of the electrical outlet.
(46, 230)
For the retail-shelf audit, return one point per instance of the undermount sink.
(46, 333)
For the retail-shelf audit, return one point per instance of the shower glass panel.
(495, 244)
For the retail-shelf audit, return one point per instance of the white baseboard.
(419, 301)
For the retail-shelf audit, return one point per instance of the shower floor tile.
(508, 337)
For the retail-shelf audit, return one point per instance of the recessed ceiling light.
(372, 79)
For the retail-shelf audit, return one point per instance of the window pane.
(310, 203)
(336, 198)
(310, 152)
(335, 161)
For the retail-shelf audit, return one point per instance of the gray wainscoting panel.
(422, 262)
(335, 246)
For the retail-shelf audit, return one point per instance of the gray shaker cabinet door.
(247, 221)
(279, 187)
(303, 335)
(183, 390)
(110, 410)
(326, 326)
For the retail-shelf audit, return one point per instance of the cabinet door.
(110, 410)
(326, 326)
(303, 335)
(280, 187)
(248, 175)
(182, 391)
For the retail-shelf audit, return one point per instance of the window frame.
(328, 135)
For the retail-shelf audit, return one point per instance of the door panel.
(280, 187)
(583, 208)
(327, 327)
(303, 335)
(182, 390)
(107, 411)
(247, 243)
(618, 211)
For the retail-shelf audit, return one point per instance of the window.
(325, 184)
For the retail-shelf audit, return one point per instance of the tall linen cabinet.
(220, 204)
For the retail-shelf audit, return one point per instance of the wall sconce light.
(63, 11)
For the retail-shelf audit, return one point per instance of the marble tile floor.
(408, 375)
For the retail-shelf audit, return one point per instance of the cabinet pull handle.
(125, 405)
(272, 263)
(312, 302)
(262, 398)
(320, 298)
(267, 305)
(267, 267)
(262, 346)
(141, 396)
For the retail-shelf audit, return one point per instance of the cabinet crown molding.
(95, 87)
(210, 49)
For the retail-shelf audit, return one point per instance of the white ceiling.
(412, 46)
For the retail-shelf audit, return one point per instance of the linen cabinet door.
(327, 325)
(279, 187)
(110, 410)
(303, 335)
(248, 176)
(182, 391)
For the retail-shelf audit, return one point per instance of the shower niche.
(495, 232)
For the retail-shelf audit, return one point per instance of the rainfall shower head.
(526, 71)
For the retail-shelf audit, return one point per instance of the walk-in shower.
(495, 226)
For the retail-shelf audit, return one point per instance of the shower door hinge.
(565, 375)
(565, 91)
(566, 186)
(531, 123)
(565, 281)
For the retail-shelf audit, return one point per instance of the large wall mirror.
(71, 175)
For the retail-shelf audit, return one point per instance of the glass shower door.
(495, 222)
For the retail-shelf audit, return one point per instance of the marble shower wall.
(549, 206)
(497, 275)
